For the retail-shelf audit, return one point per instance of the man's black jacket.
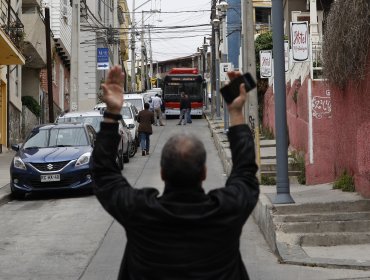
(185, 233)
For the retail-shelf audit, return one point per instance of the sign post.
(102, 58)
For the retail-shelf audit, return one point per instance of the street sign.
(102, 58)
(224, 68)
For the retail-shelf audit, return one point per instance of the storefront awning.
(9, 54)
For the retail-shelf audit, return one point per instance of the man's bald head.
(183, 160)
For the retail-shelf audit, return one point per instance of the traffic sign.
(102, 58)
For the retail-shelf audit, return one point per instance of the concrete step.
(265, 166)
(323, 239)
(362, 205)
(291, 173)
(325, 226)
(334, 239)
(267, 143)
(318, 217)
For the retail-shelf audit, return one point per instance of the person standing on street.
(185, 233)
(188, 112)
(145, 118)
(157, 103)
(183, 109)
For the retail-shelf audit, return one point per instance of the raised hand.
(113, 90)
(236, 107)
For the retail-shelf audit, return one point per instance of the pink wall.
(351, 115)
(341, 129)
(322, 169)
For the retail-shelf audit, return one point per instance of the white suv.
(129, 114)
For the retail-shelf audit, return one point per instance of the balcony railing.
(316, 63)
(11, 24)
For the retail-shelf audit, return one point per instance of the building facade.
(11, 41)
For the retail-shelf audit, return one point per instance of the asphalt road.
(72, 237)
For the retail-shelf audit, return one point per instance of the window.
(263, 15)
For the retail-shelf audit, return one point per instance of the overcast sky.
(173, 42)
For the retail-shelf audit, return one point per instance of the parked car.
(94, 118)
(53, 157)
(135, 99)
(129, 114)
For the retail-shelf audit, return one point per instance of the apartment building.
(11, 59)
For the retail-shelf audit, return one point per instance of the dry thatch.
(346, 42)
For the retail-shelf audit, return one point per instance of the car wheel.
(133, 149)
(126, 156)
(17, 195)
(119, 161)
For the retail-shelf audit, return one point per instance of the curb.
(5, 194)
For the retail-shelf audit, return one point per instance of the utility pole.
(282, 183)
(216, 23)
(244, 49)
(49, 66)
(133, 76)
(151, 58)
(142, 52)
(75, 47)
(252, 117)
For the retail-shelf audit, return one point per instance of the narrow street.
(72, 237)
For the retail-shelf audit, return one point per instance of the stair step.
(362, 205)
(325, 226)
(273, 173)
(344, 216)
(334, 239)
(267, 165)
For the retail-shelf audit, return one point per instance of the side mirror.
(15, 147)
(131, 126)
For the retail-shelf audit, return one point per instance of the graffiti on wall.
(252, 125)
(321, 106)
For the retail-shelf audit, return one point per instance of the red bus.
(186, 80)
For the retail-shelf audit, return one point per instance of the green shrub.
(345, 183)
(267, 132)
(299, 163)
(267, 181)
(32, 105)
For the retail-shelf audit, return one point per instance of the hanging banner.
(286, 55)
(299, 39)
(265, 64)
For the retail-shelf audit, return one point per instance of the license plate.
(50, 178)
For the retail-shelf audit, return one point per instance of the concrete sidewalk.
(308, 232)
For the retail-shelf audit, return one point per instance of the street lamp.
(216, 25)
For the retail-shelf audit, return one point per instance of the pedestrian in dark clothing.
(145, 118)
(184, 233)
(183, 109)
(188, 105)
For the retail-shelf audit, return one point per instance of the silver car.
(125, 147)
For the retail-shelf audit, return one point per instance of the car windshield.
(126, 113)
(138, 103)
(56, 137)
(94, 121)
